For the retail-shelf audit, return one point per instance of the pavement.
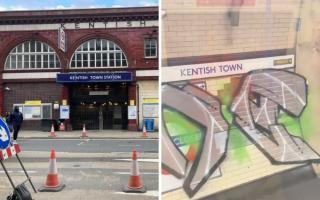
(92, 134)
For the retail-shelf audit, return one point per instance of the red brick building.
(97, 67)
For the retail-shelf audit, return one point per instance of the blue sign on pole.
(4, 135)
(94, 77)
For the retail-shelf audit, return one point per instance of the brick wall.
(131, 40)
(21, 92)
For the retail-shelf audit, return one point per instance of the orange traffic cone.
(84, 132)
(144, 132)
(52, 132)
(52, 183)
(135, 183)
(62, 127)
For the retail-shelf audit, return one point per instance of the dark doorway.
(99, 106)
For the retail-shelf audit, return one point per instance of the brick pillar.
(132, 94)
(65, 96)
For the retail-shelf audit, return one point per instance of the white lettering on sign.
(112, 77)
(96, 77)
(62, 39)
(106, 77)
(86, 25)
(76, 78)
(210, 70)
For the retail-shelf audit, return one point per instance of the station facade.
(97, 67)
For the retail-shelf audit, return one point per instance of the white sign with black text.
(132, 112)
(64, 112)
(227, 68)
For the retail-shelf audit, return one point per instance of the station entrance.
(99, 106)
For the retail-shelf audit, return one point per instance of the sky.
(8, 5)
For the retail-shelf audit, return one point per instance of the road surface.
(91, 169)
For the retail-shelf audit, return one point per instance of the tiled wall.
(192, 30)
(195, 30)
(234, 173)
(147, 89)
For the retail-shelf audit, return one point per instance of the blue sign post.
(4, 135)
(94, 77)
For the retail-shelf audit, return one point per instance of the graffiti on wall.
(260, 98)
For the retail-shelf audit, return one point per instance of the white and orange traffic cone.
(62, 127)
(84, 132)
(144, 132)
(52, 183)
(135, 184)
(52, 132)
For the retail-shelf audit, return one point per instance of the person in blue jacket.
(15, 119)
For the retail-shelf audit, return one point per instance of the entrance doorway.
(99, 106)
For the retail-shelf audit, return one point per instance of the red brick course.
(19, 93)
(131, 40)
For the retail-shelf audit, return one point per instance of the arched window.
(98, 53)
(32, 55)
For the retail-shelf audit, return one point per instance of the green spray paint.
(308, 119)
(227, 95)
(291, 123)
(237, 141)
(226, 113)
(179, 127)
(305, 126)
(237, 145)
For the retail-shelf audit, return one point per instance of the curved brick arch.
(11, 44)
(105, 36)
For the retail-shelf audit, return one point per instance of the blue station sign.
(94, 77)
(4, 135)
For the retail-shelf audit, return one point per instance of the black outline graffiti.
(194, 166)
(262, 129)
(267, 132)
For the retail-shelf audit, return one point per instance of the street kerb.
(52, 183)
(135, 184)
